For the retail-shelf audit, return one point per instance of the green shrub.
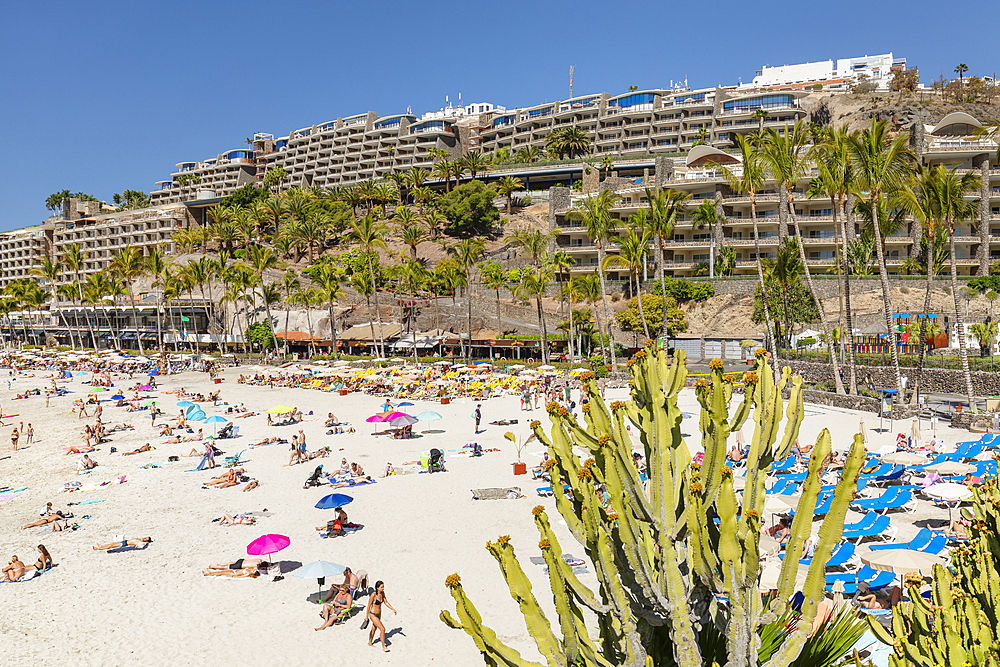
(684, 290)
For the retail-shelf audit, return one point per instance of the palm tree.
(836, 179)
(529, 154)
(535, 242)
(494, 277)
(467, 253)
(960, 70)
(435, 222)
(952, 190)
(921, 199)
(881, 165)
(444, 169)
(476, 162)
(49, 269)
(786, 269)
(74, 257)
(329, 279)
(665, 209)
(706, 216)
(596, 218)
(632, 256)
(290, 284)
(158, 267)
(785, 154)
(370, 234)
(412, 235)
(506, 187)
(129, 266)
(748, 180)
(262, 260)
(760, 114)
(533, 285)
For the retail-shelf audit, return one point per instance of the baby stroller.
(436, 461)
(314, 479)
(226, 431)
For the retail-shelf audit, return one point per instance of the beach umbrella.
(405, 420)
(145, 387)
(185, 404)
(780, 504)
(915, 429)
(195, 413)
(152, 374)
(389, 416)
(948, 468)
(948, 492)
(768, 545)
(151, 402)
(374, 419)
(333, 500)
(278, 410)
(428, 416)
(904, 458)
(546, 368)
(319, 570)
(405, 404)
(770, 573)
(902, 561)
(117, 397)
(215, 419)
(265, 545)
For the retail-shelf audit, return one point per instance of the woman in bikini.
(374, 613)
(331, 611)
(229, 520)
(14, 570)
(44, 562)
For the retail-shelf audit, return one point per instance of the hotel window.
(760, 102)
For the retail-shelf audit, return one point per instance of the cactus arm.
(494, 651)
(581, 592)
(802, 524)
(730, 550)
(716, 435)
(794, 416)
(700, 551)
(520, 589)
(743, 411)
(829, 535)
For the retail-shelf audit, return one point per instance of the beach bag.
(364, 623)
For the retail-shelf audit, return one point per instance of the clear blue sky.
(105, 96)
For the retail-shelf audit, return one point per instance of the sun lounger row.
(874, 578)
(925, 541)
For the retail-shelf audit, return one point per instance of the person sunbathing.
(243, 567)
(231, 478)
(124, 542)
(332, 528)
(868, 600)
(251, 486)
(539, 470)
(342, 602)
(166, 430)
(357, 470)
(145, 448)
(81, 449)
(88, 463)
(351, 482)
(44, 562)
(736, 454)
(51, 518)
(14, 570)
(955, 530)
(781, 531)
(972, 481)
(229, 520)
(323, 452)
(331, 420)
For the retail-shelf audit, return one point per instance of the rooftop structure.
(830, 76)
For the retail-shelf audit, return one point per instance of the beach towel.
(10, 496)
(92, 501)
(201, 466)
(497, 493)
(28, 576)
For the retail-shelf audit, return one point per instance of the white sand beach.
(152, 605)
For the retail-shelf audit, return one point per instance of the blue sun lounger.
(891, 499)
(881, 527)
(875, 580)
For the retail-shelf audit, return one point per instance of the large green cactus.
(957, 626)
(679, 552)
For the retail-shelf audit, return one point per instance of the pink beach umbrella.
(376, 418)
(267, 545)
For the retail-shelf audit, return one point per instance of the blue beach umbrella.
(405, 404)
(333, 500)
(215, 419)
(117, 397)
(185, 404)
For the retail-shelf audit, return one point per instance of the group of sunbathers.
(15, 569)
(233, 477)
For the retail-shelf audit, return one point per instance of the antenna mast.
(571, 81)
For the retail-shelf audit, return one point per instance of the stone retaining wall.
(943, 380)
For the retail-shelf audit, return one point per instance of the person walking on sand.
(29, 434)
(83, 409)
(374, 614)
(478, 415)
(14, 437)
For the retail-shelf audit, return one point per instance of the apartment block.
(951, 142)
(21, 251)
